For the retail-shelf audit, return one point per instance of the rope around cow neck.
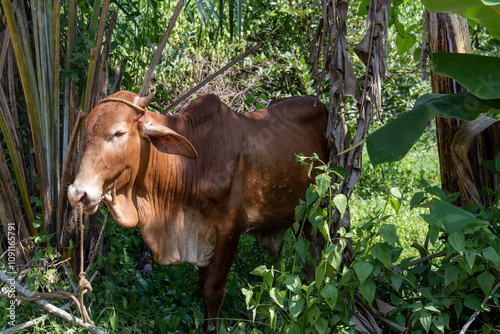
(130, 104)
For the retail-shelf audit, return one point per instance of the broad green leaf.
(491, 254)
(396, 193)
(457, 241)
(319, 275)
(340, 201)
(418, 198)
(260, 270)
(472, 302)
(396, 281)
(484, 12)
(301, 249)
(395, 204)
(485, 281)
(470, 255)
(450, 275)
(113, 320)
(497, 162)
(333, 255)
(276, 296)
(392, 141)
(293, 283)
(476, 73)
(382, 252)
(314, 314)
(292, 329)
(404, 43)
(363, 270)
(321, 325)
(367, 290)
(323, 182)
(388, 232)
(330, 294)
(296, 304)
(425, 319)
(248, 293)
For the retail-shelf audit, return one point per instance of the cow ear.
(168, 141)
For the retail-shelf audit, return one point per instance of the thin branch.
(473, 317)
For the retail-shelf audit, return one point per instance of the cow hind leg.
(214, 277)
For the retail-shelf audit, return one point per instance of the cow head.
(117, 132)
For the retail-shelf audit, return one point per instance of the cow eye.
(119, 134)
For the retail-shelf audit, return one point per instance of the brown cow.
(194, 183)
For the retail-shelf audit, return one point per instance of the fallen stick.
(53, 310)
(213, 76)
(33, 322)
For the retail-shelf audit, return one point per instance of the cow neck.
(164, 183)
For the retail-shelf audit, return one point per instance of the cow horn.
(146, 100)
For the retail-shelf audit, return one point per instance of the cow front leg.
(214, 277)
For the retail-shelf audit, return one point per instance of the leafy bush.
(455, 278)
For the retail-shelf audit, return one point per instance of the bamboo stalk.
(55, 117)
(16, 165)
(70, 44)
(32, 112)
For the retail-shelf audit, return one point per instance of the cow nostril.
(75, 195)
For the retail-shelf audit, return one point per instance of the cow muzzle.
(88, 198)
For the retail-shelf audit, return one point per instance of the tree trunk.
(448, 32)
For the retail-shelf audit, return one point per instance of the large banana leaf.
(484, 12)
(392, 141)
(479, 74)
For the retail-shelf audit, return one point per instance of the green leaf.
(276, 296)
(323, 182)
(396, 281)
(404, 43)
(474, 72)
(392, 141)
(480, 11)
(457, 241)
(426, 320)
(330, 294)
(417, 199)
(260, 270)
(248, 293)
(395, 204)
(472, 302)
(321, 325)
(363, 270)
(382, 252)
(497, 162)
(388, 232)
(450, 275)
(113, 320)
(296, 305)
(319, 275)
(301, 249)
(292, 329)
(293, 283)
(490, 254)
(340, 201)
(367, 290)
(485, 281)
